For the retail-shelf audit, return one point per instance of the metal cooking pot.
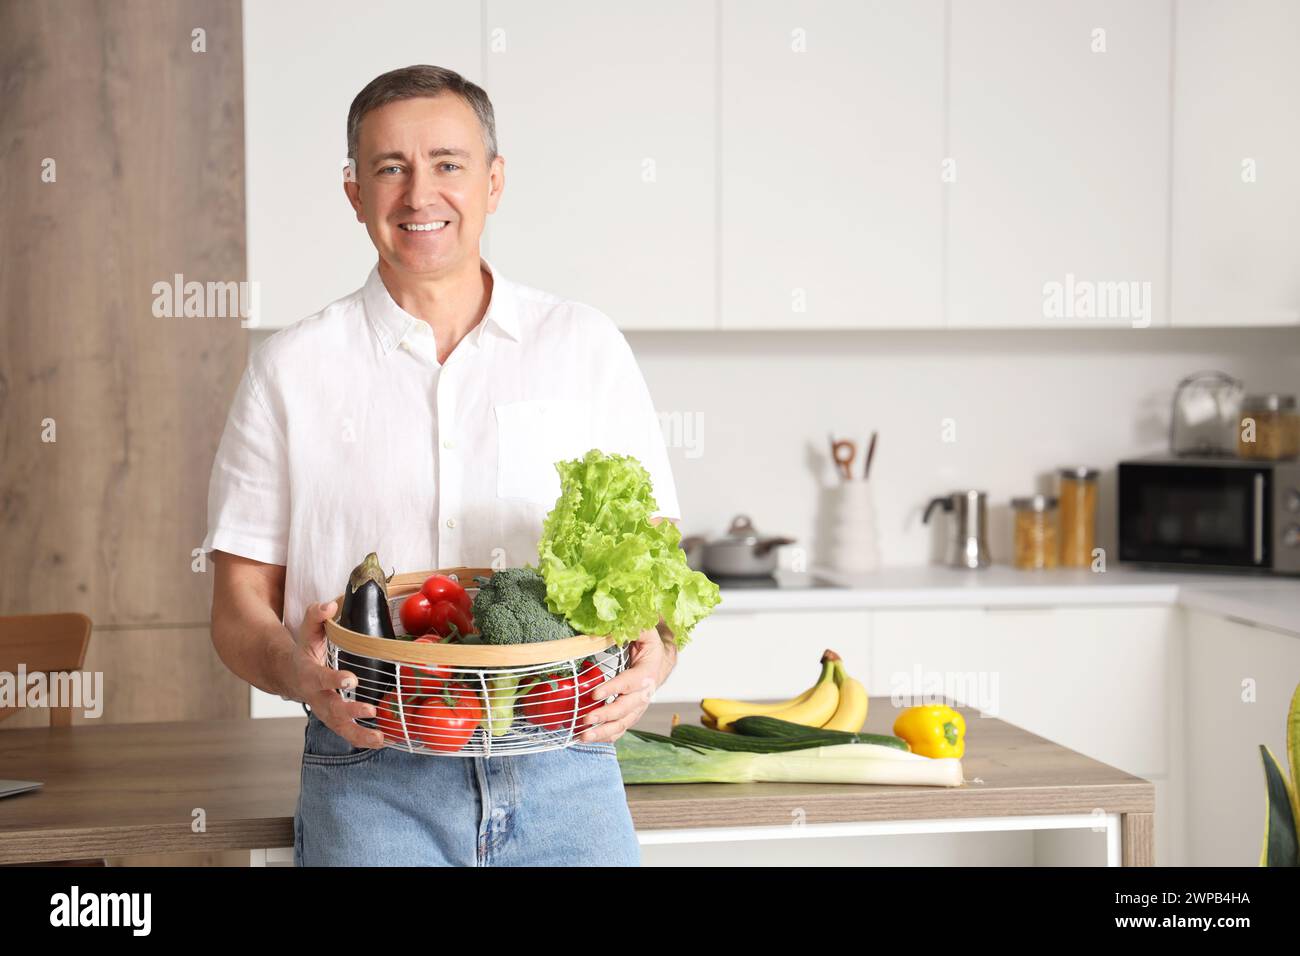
(740, 553)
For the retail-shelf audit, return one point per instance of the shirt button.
(406, 346)
(451, 522)
(448, 443)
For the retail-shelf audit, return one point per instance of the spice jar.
(1078, 516)
(1269, 428)
(1035, 532)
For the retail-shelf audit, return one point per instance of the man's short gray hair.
(411, 82)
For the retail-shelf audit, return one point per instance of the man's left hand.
(651, 662)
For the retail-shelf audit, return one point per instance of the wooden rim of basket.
(458, 655)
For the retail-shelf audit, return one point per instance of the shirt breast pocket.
(531, 437)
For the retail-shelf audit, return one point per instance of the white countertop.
(1268, 601)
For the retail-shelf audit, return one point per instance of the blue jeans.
(387, 807)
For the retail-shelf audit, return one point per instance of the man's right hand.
(318, 684)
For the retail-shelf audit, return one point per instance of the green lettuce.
(608, 570)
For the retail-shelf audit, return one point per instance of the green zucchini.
(773, 728)
(661, 739)
(724, 740)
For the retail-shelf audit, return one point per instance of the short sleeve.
(627, 423)
(248, 495)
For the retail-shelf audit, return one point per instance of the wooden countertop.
(121, 789)
(1008, 771)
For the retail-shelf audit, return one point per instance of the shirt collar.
(392, 324)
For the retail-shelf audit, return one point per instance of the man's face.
(421, 162)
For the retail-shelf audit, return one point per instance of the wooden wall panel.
(147, 138)
(154, 674)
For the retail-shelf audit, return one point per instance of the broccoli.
(510, 608)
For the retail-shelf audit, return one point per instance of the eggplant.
(365, 610)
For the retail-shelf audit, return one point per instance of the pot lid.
(741, 531)
(743, 534)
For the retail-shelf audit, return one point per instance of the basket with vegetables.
(494, 662)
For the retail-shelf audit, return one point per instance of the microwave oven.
(1227, 514)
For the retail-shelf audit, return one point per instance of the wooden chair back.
(44, 643)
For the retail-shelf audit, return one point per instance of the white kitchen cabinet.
(262, 704)
(304, 61)
(1171, 820)
(606, 117)
(1061, 159)
(1240, 679)
(765, 654)
(1094, 679)
(917, 653)
(1105, 681)
(831, 140)
(1236, 195)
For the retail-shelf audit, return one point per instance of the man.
(420, 417)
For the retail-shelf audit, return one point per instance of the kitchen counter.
(1015, 780)
(1271, 602)
(113, 789)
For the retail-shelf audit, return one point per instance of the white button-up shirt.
(347, 436)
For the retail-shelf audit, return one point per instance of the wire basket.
(472, 700)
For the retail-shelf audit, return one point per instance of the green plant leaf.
(1293, 751)
(1280, 847)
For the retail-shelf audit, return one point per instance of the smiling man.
(421, 417)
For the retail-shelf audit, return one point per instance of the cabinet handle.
(1259, 518)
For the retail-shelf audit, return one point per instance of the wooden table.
(123, 789)
(1015, 780)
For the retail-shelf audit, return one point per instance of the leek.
(650, 758)
(864, 751)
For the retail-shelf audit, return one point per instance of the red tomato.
(416, 614)
(439, 587)
(424, 678)
(446, 618)
(589, 678)
(444, 722)
(549, 703)
(388, 718)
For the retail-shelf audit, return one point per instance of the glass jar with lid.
(1035, 532)
(1078, 516)
(1270, 427)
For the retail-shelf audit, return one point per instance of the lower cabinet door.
(1240, 680)
(765, 654)
(1094, 679)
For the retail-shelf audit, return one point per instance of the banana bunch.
(835, 702)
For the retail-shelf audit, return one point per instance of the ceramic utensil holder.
(853, 541)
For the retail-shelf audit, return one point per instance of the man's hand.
(652, 660)
(312, 680)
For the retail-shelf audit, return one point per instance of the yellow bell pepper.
(932, 730)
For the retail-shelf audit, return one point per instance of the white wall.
(1024, 404)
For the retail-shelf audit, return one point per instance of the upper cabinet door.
(606, 117)
(1059, 132)
(832, 135)
(1236, 222)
